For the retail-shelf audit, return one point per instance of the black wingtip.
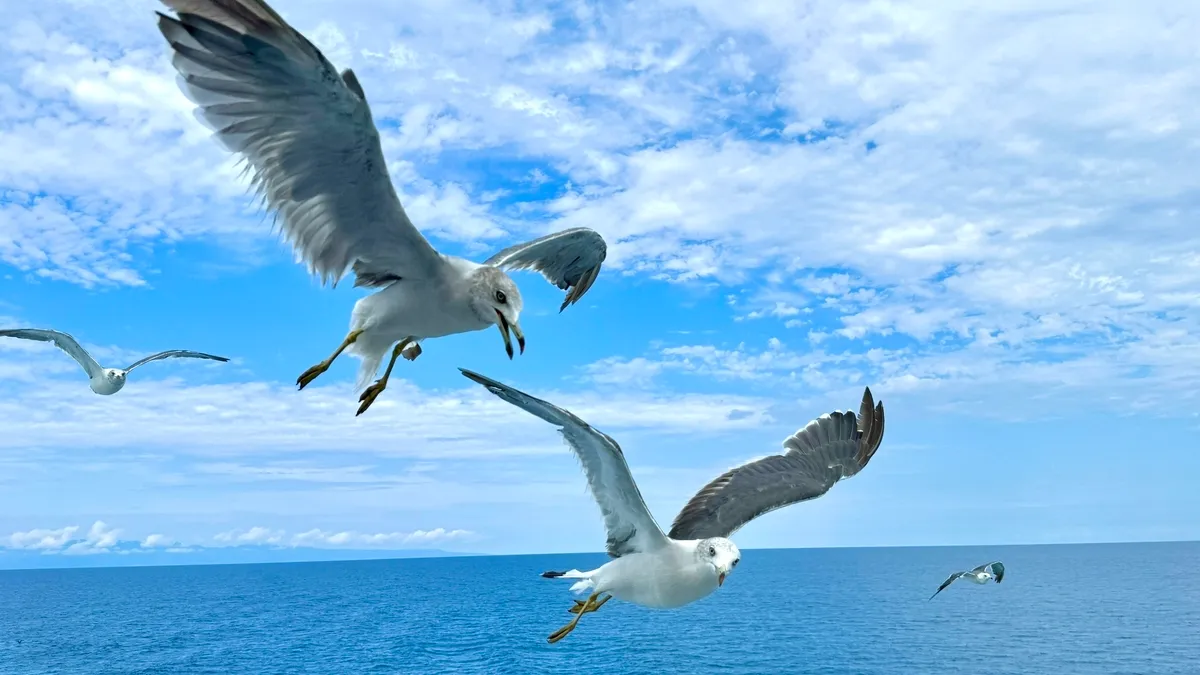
(552, 575)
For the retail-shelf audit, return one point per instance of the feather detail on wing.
(306, 134)
(835, 446)
(997, 570)
(628, 522)
(176, 354)
(63, 341)
(570, 259)
(951, 579)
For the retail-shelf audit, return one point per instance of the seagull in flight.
(306, 134)
(664, 571)
(980, 575)
(103, 381)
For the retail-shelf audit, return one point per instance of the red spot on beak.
(720, 578)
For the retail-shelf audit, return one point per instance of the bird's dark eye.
(735, 561)
(712, 551)
(501, 298)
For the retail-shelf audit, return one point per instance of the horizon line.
(440, 553)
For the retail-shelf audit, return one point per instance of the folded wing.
(306, 134)
(630, 526)
(835, 446)
(569, 259)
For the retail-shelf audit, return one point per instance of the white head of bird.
(109, 382)
(495, 299)
(720, 553)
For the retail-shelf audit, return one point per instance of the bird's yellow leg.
(372, 392)
(562, 632)
(311, 374)
(579, 605)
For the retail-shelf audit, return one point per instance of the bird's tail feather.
(371, 352)
(585, 579)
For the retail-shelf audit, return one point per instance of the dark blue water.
(1110, 609)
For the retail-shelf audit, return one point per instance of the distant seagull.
(979, 575)
(307, 136)
(103, 381)
(688, 563)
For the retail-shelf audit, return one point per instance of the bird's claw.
(311, 374)
(369, 395)
(579, 605)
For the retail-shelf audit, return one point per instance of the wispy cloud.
(979, 211)
(320, 539)
(103, 539)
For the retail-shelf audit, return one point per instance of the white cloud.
(42, 539)
(230, 419)
(255, 536)
(157, 541)
(1011, 176)
(317, 538)
(100, 539)
(991, 376)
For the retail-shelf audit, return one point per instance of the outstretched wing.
(630, 526)
(569, 259)
(176, 354)
(835, 446)
(61, 340)
(306, 134)
(997, 570)
(953, 577)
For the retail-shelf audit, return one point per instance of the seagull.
(307, 137)
(664, 571)
(103, 381)
(980, 575)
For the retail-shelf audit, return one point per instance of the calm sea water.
(1111, 609)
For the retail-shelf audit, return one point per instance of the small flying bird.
(980, 575)
(103, 381)
(310, 144)
(664, 571)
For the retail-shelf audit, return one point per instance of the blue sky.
(987, 216)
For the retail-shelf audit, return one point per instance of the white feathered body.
(107, 382)
(665, 579)
(977, 577)
(421, 308)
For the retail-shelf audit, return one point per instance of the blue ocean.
(1098, 609)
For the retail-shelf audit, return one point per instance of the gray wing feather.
(835, 446)
(997, 569)
(628, 522)
(306, 134)
(61, 340)
(570, 259)
(176, 354)
(951, 579)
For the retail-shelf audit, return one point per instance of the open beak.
(504, 329)
(720, 579)
(516, 329)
